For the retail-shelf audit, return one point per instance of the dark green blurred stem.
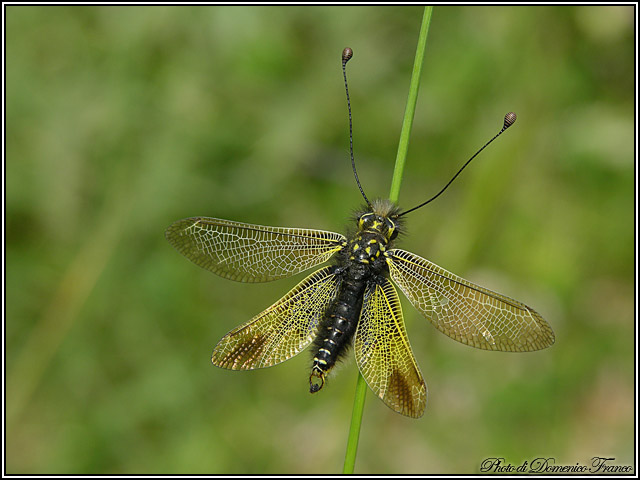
(403, 146)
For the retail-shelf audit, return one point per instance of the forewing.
(383, 352)
(282, 330)
(466, 312)
(251, 253)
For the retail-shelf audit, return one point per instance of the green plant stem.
(356, 422)
(407, 123)
(403, 146)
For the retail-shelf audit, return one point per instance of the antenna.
(509, 119)
(347, 53)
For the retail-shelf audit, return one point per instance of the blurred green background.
(121, 120)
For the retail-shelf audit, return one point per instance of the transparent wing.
(466, 312)
(251, 253)
(282, 330)
(384, 355)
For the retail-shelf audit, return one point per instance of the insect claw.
(315, 386)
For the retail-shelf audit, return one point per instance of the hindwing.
(283, 330)
(383, 353)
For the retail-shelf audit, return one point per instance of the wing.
(251, 253)
(282, 330)
(466, 312)
(384, 355)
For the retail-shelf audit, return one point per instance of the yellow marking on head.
(376, 224)
(356, 247)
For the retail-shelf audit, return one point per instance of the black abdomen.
(336, 329)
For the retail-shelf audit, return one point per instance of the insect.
(352, 300)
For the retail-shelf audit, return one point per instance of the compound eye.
(365, 220)
(391, 227)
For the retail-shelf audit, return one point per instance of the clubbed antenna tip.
(509, 119)
(347, 53)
